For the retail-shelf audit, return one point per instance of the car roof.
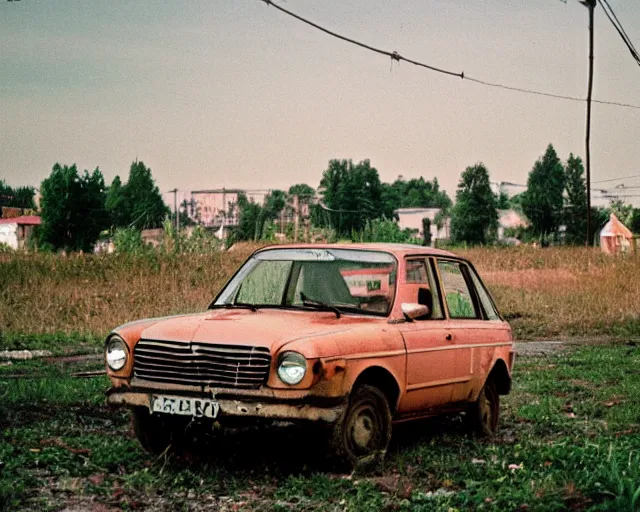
(398, 250)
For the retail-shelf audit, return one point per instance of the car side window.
(483, 295)
(456, 290)
(419, 272)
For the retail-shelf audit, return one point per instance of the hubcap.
(363, 430)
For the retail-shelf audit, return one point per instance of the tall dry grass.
(47, 293)
(544, 292)
(564, 291)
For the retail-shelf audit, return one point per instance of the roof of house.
(405, 211)
(615, 228)
(24, 220)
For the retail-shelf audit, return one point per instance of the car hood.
(269, 328)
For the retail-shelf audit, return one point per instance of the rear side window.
(456, 290)
(485, 300)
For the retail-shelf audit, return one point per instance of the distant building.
(510, 219)
(16, 231)
(219, 207)
(411, 218)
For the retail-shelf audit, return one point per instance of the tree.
(575, 203)
(415, 193)
(274, 203)
(543, 200)
(304, 192)
(502, 201)
(622, 210)
(351, 194)
(73, 209)
(148, 209)
(19, 197)
(634, 225)
(474, 218)
(117, 205)
(138, 203)
(426, 231)
(250, 221)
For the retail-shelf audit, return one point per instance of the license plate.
(197, 407)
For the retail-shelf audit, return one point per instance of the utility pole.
(591, 5)
(296, 219)
(175, 208)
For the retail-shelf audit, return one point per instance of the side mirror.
(413, 311)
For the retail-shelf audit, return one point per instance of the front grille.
(202, 364)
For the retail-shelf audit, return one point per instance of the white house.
(15, 231)
(411, 218)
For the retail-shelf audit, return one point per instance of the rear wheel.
(158, 433)
(361, 436)
(483, 414)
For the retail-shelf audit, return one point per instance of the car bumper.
(238, 405)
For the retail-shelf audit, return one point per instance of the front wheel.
(158, 433)
(484, 412)
(361, 436)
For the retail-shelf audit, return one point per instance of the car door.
(474, 325)
(431, 365)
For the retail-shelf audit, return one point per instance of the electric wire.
(394, 55)
(620, 29)
(618, 179)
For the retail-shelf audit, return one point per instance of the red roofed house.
(15, 231)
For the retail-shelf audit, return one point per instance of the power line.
(617, 179)
(394, 55)
(620, 29)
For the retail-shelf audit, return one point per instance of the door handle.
(449, 337)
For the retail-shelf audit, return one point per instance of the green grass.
(570, 440)
(56, 343)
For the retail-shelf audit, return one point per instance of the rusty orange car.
(355, 337)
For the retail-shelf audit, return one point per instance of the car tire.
(361, 435)
(483, 414)
(157, 433)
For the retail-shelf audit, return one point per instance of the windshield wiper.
(318, 305)
(235, 305)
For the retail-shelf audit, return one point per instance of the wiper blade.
(235, 305)
(319, 305)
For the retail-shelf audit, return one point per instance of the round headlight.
(116, 353)
(292, 368)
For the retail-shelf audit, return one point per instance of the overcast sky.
(213, 93)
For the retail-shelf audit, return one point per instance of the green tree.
(474, 218)
(73, 209)
(351, 194)
(138, 203)
(274, 203)
(502, 201)
(117, 205)
(622, 210)
(575, 202)
(250, 221)
(543, 200)
(303, 191)
(18, 197)
(426, 231)
(415, 193)
(634, 225)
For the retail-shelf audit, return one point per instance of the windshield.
(345, 279)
